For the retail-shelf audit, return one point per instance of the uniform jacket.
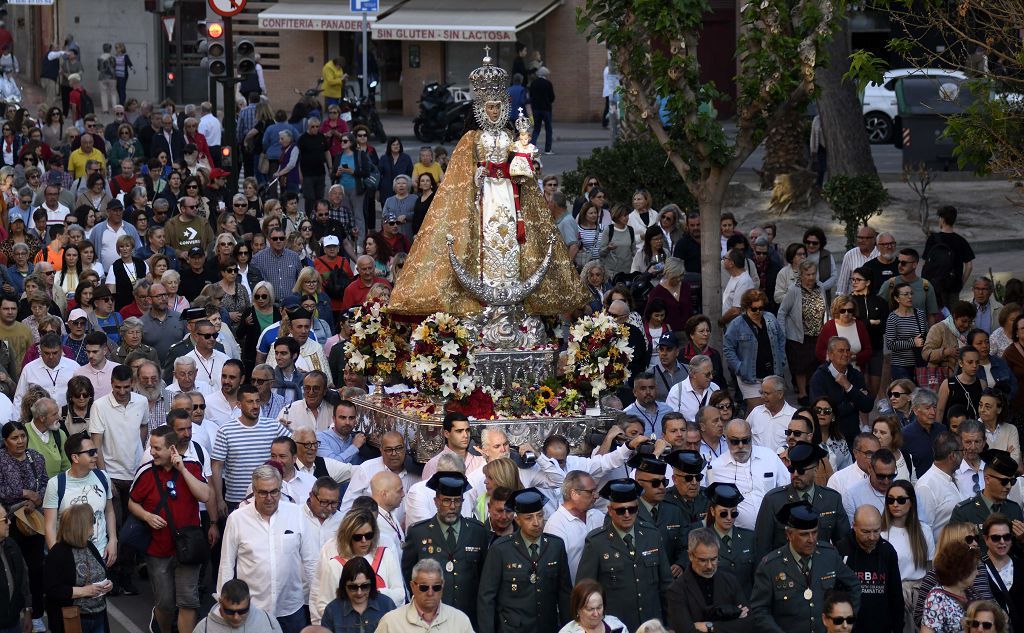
(509, 601)
(975, 510)
(674, 530)
(738, 558)
(634, 586)
(833, 522)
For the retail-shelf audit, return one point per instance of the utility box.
(924, 104)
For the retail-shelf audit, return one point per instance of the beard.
(151, 393)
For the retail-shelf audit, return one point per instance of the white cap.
(76, 314)
(331, 240)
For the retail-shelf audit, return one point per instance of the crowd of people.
(175, 398)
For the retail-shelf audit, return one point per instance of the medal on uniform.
(808, 594)
(533, 579)
(449, 567)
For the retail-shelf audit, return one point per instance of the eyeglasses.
(811, 242)
(393, 450)
(277, 239)
(361, 135)
(92, 452)
(725, 406)
(199, 407)
(823, 410)
(451, 502)
(626, 510)
(266, 494)
(905, 262)
(80, 395)
(192, 186)
(190, 206)
(898, 500)
(799, 470)
(1000, 538)
(391, 222)
(329, 504)
(654, 483)
(978, 624)
(729, 514)
(896, 394)
(794, 433)
(885, 475)
(850, 619)
(310, 445)
(354, 587)
(887, 244)
(740, 441)
(1005, 481)
(847, 311)
(363, 536)
(261, 297)
(226, 611)
(233, 271)
(857, 279)
(206, 335)
(430, 588)
(172, 489)
(261, 381)
(689, 478)
(756, 308)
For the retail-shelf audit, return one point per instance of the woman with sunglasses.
(837, 613)
(589, 183)
(912, 540)
(738, 555)
(1005, 571)
(53, 128)
(985, 616)
(357, 536)
(359, 604)
(258, 317)
(96, 194)
(236, 297)
(126, 146)
(955, 534)
(844, 323)
(668, 222)
(754, 346)
(890, 437)
(832, 440)
(334, 129)
(248, 275)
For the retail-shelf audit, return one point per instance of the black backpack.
(940, 266)
(86, 102)
(336, 281)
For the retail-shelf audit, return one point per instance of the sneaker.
(38, 626)
(549, 153)
(128, 587)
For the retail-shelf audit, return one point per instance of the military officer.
(833, 522)
(627, 558)
(686, 492)
(737, 550)
(791, 582)
(458, 543)
(525, 582)
(1000, 475)
(668, 518)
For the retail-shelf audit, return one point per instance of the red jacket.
(204, 149)
(829, 330)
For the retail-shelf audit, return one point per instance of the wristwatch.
(711, 626)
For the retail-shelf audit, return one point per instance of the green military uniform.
(833, 523)
(634, 580)
(518, 595)
(694, 510)
(736, 554)
(462, 566)
(673, 530)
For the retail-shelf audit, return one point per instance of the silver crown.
(522, 123)
(489, 82)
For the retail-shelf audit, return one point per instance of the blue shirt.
(339, 616)
(111, 325)
(652, 424)
(918, 444)
(336, 447)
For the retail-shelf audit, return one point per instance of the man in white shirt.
(455, 428)
(55, 210)
(864, 446)
(309, 462)
(937, 492)
(321, 510)
(393, 453)
(312, 411)
(269, 545)
(872, 490)
(544, 475)
(295, 482)
(695, 391)
(856, 257)
(754, 469)
(386, 489)
(210, 127)
(222, 404)
(209, 359)
(98, 369)
(645, 406)
(576, 517)
(185, 371)
(51, 371)
(970, 475)
(735, 263)
(770, 420)
(712, 433)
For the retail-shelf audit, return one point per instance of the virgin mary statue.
(501, 227)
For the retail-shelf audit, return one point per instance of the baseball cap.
(76, 314)
(196, 250)
(331, 240)
(15, 216)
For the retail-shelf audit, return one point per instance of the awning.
(460, 20)
(316, 16)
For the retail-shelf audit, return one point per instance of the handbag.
(190, 545)
(264, 164)
(370, 175)
(925, 375)
(72, 617)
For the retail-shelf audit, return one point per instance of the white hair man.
(750, 467)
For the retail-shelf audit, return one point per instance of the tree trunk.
(842, 120)
(710, 197)
(785, 148)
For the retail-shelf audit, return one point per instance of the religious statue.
(524, 153)
(488, 246)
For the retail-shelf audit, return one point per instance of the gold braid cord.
(428, 283)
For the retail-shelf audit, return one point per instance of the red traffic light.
(225, 151)
(215, 29)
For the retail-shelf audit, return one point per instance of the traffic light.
(225, 156)
(213, 51)
(245, 57)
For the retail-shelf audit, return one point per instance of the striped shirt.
(900, 332)
(242, 449)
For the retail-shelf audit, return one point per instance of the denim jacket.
(740, 347)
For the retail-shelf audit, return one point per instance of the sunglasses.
(850, 619)
(725, 406)
(233, 271)
(885, 475)
(739, 441)
(260, 381)
(92, 452)
(729, 514)
(794, 433)
(1005, 481)
(654, 483)
(206, 335)
(799, 470)
(626, 510)
(900, 500)
(904, 262)
(261, 297)
(239, 206)
(755, 308)
(811, 243)
(970, 539)
(391, 223)
(691, 478)
(1000, 538)
(896, 394)
(227, 611)
(363, 536)
(277, 239)
(363, 586)
(428, 588)
(199, 407)
(823, 410)
(847, 311)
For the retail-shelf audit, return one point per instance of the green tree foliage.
(645, 167)
(654, 47)
(854, 200)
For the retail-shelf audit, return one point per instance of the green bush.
(627, 166)
(854, 201)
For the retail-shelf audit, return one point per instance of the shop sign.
(442, 34)
(288, 23)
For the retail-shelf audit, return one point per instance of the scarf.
(960, 336)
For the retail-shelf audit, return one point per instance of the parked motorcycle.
(441, 117)
(363, 111)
